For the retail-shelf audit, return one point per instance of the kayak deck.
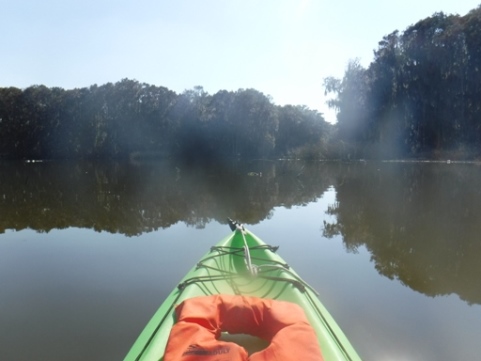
(242, 264)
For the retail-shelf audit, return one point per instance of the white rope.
(247, 255)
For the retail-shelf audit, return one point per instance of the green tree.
(10, 124)
(300, 128)
(254, 122)
(350, 103)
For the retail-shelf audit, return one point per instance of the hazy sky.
(283, 48)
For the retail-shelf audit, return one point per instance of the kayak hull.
(242, 264)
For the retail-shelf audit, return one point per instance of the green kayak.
(242, 264)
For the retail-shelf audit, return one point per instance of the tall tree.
(350, 102)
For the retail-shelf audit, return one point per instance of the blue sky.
(283, 48)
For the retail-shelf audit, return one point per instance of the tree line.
(419, 97)
(129, 118)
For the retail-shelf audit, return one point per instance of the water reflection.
(136, 198)
(418, 221)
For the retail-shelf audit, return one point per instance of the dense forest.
(132, 119)
(419, 98)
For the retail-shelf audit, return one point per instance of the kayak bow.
(242, 264)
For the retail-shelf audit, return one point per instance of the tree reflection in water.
(135, 198)
(419, 221)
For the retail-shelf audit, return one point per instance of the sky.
(282, 48)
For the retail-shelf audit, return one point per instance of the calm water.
(89, 251)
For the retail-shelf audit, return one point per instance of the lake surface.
(88, 251)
